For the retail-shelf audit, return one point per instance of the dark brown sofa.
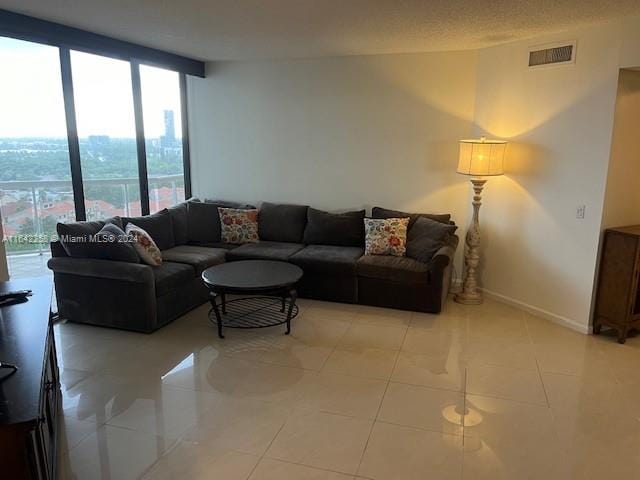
(330, 251)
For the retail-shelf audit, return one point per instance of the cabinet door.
(617, 277)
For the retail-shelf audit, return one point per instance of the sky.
(31, 102)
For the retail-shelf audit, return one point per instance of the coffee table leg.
(223, 298)
(293, 294)
(214, 305)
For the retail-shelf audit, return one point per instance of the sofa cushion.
(75, 237)
(397, 269)
(378, 212)
(238, 226)
(426, 238)
(282, 223)
(226, 246)
(112, 243)
(342, 229)
(146, 248)
(386, 236)
(180, 226)
(264, 251)
(203, 225)
(199, 258)
(159, 226)
(171, 276)
(328, 259)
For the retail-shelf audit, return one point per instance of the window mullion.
(186, 154)
(72, 134)
(140, 141)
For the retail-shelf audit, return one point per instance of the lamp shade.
(481, 157)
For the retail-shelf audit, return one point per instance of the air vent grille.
(554, 55)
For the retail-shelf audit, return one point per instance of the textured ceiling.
(246, 29)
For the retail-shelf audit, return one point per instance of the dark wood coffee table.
(268, 288)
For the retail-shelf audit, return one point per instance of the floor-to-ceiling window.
(106, 135)
(85, 136)
(161, 109)
(35, 176)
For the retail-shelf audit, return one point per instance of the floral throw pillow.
(144, 245)
(386, 236)
(238, 226)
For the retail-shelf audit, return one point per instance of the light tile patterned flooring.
(486, 392)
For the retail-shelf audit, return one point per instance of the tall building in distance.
(168, 140)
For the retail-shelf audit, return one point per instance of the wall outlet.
(580, 211)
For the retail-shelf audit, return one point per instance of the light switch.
(580, 211)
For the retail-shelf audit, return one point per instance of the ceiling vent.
(551, 55)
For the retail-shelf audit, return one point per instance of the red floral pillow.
(144, 245)
(238, 226)
(387, 236)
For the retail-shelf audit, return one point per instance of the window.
(73, 144)
(35, 177)
(161, 109)
(106, 135)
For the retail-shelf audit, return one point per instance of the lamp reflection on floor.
(468, 417)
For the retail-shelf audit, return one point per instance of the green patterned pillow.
(386, 236)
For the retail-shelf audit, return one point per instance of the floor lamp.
(478, 159)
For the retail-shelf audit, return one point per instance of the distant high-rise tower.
(169, 125)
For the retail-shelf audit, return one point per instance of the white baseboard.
(539, 312)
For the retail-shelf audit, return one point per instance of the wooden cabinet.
(30, 398)
(618, 288)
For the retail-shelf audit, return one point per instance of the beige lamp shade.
(481, 157)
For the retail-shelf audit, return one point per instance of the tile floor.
(355, 392)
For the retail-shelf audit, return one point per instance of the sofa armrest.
(443, 258)
(90, 267)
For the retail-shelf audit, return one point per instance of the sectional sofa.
(329, 249)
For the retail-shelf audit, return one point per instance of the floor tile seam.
(479, 363)
(464, 416)
(67, 387)
(392, 380)
(418, 428)
(428, 387)
(314, 467)
(380, 405)
(464, 401)
(171, 440)
(264, 453)
(333, 349)
(520, 402)
(544, 387)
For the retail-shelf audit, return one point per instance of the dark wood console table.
(29, 398)
(618, 290)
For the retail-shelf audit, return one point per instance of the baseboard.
(539, 312)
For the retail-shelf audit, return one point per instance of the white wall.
(622, 196)
(335, 133)
(559, 121)
(357, 131)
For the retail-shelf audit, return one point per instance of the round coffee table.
(270, 292)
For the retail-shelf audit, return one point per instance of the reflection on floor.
(355, 392)
(28, 265)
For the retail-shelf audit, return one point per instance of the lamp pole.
(470, 294)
